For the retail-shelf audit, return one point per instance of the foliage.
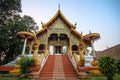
(102, 77)
(9, 77)
(30, 23)
(8, 8)
(118, 66)
(25, 64)
(11, 23)
(107, 66)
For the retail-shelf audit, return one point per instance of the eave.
(77, 34)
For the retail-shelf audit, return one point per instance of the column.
(24, 46)
(93, 50)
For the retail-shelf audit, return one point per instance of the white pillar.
(93, 50)
(24, 46)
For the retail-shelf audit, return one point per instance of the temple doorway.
(58, 43)
(58, 49)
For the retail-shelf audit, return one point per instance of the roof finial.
(58, 6)
(81, 33)
(89, 31)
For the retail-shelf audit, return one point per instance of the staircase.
(58, 67)
(47, 71)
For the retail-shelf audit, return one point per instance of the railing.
(44, 60)
(72, 60)
(43, 63)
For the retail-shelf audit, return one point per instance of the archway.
(74, 49)
(58, 43)
(42, 48)
(63, 37)
(53, 37)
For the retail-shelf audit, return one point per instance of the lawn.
(93, 77)
(8, 77)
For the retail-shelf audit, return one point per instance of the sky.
(97, 16)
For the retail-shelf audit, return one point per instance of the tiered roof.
(60, 15)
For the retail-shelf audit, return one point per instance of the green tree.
(107, 66)
(8, 8)
(29, 23)
(11, 23)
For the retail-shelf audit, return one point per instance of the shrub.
(118, 66)
(107, 66)
(25, 64)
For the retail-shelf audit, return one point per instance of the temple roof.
(91, 36)
(112, 51)
(56, 16)
(77, 34)
(60, 15)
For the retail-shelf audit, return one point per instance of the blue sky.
(99, 16)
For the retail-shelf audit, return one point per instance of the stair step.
(51, 70)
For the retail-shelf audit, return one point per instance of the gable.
(55, 17)
(59, 27)
(58, 24)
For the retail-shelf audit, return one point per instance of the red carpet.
(58, 67)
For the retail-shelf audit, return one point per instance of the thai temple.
(60, 51)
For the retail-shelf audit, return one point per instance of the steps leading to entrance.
(58, 67)
(69, 70)
(48, 68)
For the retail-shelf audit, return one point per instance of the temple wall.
(43, 38)
(74, 40)
(58, 27)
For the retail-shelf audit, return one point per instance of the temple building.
(63, 50)
(58, 34)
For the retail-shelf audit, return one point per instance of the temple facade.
(57, 35)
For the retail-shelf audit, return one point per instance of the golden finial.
(81, 33)
(75, 23)
(58, 6)
(90, 31)
(41, 22)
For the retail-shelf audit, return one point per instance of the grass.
(95, 77)
(91, 77)
(8, 77)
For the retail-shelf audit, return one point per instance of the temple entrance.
(58, 49)
(58, 43)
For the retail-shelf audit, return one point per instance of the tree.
(11, 23)
(30, 23)
(8, 8)
(107, 66)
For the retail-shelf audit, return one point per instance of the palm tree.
(107, 66)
